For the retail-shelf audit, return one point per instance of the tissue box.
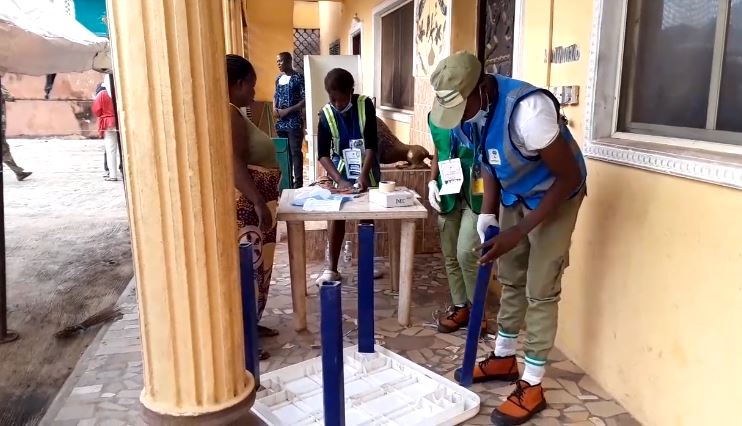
(402, 197)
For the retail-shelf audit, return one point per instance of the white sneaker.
(328, 275)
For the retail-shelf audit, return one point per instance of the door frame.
(518, 21)
(356, 29)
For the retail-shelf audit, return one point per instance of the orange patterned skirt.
(264, 244)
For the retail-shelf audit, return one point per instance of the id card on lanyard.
(353, 155)
(452, 176)
(477, 182)
(473, 142)
(354, 162)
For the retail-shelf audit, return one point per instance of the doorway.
(355, 41)
(495, 41)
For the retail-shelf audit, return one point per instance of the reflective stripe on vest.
(329, 113)
(522, 178)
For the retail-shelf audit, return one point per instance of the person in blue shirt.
(288, 104)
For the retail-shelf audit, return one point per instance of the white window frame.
(383, 9)
(518, 48)
(705, 161)
(356, 29)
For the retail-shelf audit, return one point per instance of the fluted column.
(233, 32)
(170, 75)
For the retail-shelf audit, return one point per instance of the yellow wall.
(463, 38)
(270, 31)
(464, 25)
(331, 29)
(306, 14)
(336, 21)
(536, 37)
(652, 300)
(364, 9)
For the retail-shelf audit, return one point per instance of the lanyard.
(473, 140)
(351, 134)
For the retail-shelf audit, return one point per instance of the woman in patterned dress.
(257, 176)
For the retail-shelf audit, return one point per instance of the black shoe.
(263, 355)
(22, 175)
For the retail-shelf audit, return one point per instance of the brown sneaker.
(521, 405)
(453, 319)
(503, 368)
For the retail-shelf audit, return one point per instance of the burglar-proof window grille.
(306, 42)
(335, 47)
(682, 70)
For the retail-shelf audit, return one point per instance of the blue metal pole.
(366, 288)
(331, 328)
(249, 311)
(477, 315)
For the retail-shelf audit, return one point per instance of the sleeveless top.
(260, 148)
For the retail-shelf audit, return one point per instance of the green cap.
(453, 81)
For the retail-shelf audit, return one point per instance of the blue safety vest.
(341, 134)
(522, 178)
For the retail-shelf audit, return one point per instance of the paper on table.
(316, 205)
(301, 195)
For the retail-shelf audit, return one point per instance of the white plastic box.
(382, 388)
(402, 197)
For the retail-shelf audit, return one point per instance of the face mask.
(480, 118)
(346, 109)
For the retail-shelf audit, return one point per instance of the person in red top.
(103, 109)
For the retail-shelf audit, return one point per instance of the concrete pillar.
(233, 31)
(171, 81)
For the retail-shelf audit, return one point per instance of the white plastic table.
(402, 246)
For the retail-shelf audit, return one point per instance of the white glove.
(433, 195)
(484, 221)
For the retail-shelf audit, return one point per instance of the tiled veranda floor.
(105, 387)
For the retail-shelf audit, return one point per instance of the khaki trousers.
(531, 276)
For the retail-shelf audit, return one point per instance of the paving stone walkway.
(104, 388)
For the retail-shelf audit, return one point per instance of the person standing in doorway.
(103, 109)
(534, 181)
(288, 104)
(20, 174)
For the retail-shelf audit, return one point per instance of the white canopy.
(37, 38)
